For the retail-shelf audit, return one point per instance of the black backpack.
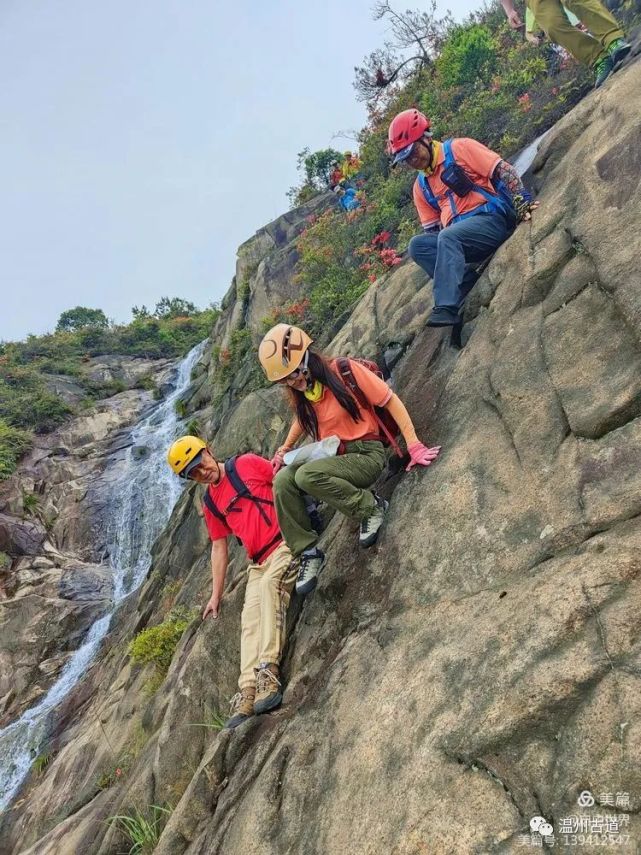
(242, 492)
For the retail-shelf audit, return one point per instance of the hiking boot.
(242, 707)
(603, 68)
(443, 317)
(310, 564)
(371, 524)
(618, 50)
(268, 688)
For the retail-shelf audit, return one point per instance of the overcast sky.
(141, 142)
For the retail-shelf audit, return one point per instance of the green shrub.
(157, 644)
(13, 444)
(215, 721)
(146, 382)
(142, 830)
(468, 56)
(30, 502)
(26, 401)
(193, 427)
(42, 761)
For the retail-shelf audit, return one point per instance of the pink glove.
(421, 455)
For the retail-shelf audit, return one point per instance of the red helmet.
(405, 129)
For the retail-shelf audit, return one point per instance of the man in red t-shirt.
(252, 518)
(468, 200)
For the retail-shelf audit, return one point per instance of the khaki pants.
(586, 48)
(262, 633)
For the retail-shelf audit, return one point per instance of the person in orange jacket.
(469, 201)
(326, 406)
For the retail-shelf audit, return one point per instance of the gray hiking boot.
(371, 524)
(242, 707)
(310, 564)
(269, 692)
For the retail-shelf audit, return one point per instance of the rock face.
(42, 623)
(480, 665)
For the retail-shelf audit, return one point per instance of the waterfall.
(142, 501)
(524, 159)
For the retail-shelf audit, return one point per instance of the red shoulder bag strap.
(345, 370)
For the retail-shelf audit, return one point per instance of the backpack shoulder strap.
(231, 471)
(213, 507)
(347, 375)
(449, 159)
(430, 198)
(242, 490)
(344, 367)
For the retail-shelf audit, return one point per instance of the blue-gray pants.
(446, 255)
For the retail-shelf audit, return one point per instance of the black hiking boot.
(443, 317)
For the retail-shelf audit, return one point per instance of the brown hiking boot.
(242, 707)
(268, 688)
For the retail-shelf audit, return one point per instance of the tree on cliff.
(81, 318)
(317, 168)
(174, 307)
(416, 38)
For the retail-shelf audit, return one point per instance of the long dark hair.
(320, 369)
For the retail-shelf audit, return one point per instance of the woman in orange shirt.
(324, 406)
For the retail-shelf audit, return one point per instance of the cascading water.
(524, 159)
(142, 500)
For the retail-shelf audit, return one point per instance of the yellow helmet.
(183, 452)
(282, 350)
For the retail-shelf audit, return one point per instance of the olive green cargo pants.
(600, 22)
(341, 482)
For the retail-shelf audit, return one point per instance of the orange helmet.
(282, 350)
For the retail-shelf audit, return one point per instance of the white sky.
(141, 142)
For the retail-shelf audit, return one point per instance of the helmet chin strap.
(306, 372)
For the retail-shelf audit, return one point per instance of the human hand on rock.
(212, 607)
(514, 20)
(278, 459)
(421, 455)
(524, 205)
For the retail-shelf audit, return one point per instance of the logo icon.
(586, 799)
(540, 825)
